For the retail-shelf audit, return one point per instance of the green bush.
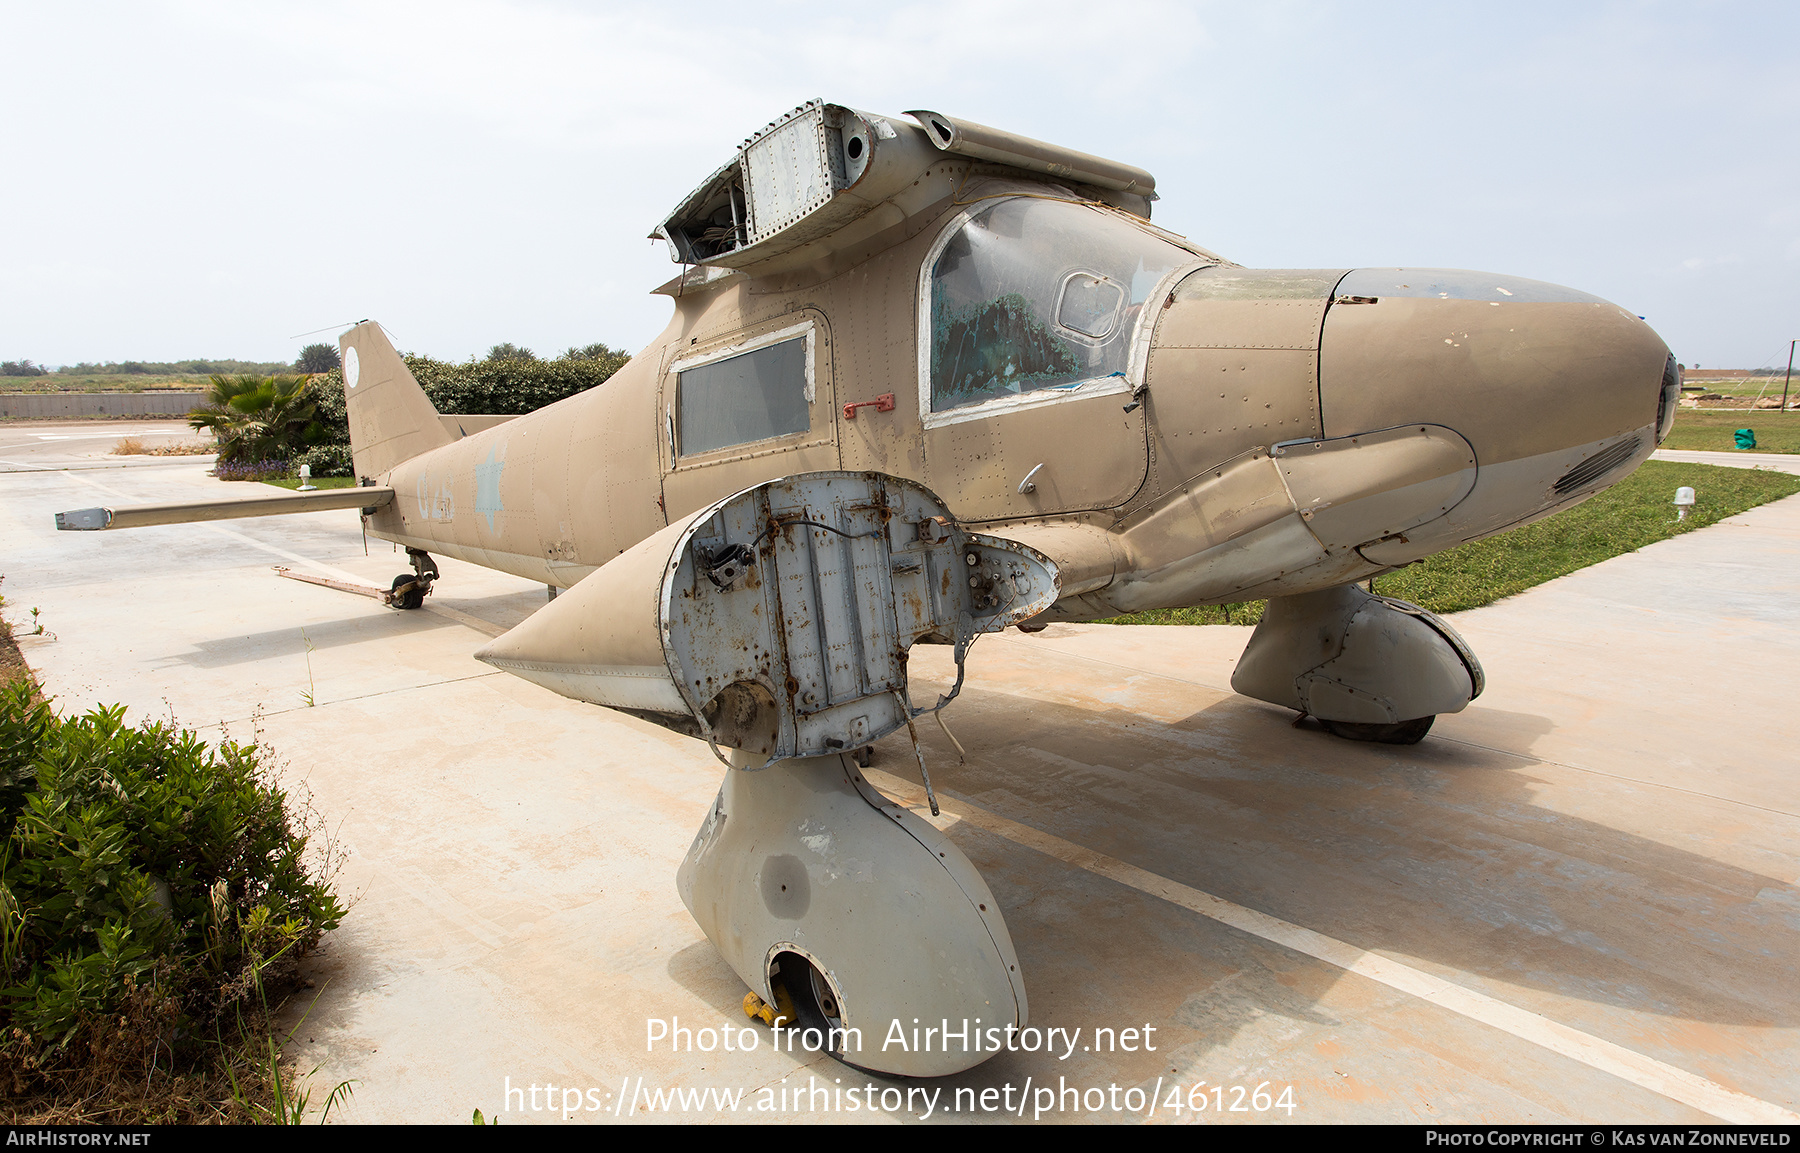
(326, 460)
(150, 886)
(507, 386)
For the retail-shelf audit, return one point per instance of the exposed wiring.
(777, 524)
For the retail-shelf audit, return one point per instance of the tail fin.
(391, 418)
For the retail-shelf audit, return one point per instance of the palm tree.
(317, 358)
(257, 418)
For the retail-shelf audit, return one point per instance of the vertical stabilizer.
(391, 418)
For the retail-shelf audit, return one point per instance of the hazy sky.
(193, 179)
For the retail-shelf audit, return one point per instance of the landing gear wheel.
(411, 599)
(1401, 733)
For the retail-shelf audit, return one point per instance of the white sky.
(194, 179)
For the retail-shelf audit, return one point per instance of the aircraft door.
(747, 408)
(1029, 314)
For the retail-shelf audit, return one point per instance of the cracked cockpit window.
(1034, 294)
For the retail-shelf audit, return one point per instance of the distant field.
(1712, 431)
(1738, 386)
(1633, 513)
(126, 382)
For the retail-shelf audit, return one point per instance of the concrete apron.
(1574, 901)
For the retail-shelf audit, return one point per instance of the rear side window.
(757, 395)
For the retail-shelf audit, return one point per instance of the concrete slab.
(1575, 901)
(33, 445)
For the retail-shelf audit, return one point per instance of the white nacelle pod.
(804, 875)
(1352, 658)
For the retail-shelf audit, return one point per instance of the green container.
(1746, 438)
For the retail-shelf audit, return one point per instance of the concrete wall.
(59, 405)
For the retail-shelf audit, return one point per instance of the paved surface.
(1576, 900)
(1780, 462)
(33, 445)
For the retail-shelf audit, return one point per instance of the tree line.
(314, 358)
(145, 368)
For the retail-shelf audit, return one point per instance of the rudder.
(391, 418)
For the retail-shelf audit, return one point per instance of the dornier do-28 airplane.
(927, 380)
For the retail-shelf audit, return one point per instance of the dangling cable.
(960, 755)
(912, 730)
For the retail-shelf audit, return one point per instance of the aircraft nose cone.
(1516, 366)
(1559, 392)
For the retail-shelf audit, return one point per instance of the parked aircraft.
(928, 379)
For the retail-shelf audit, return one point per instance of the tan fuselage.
(1233, 460)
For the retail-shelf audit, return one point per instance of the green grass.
(293, 482)
(1742, 384)
(1633, 513)
(1711, 431)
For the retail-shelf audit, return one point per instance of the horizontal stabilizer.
(183, 512)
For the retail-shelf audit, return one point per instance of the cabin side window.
(1032, 294)
(743, 398)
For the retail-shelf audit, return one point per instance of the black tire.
(1400, 733)
(411, 599)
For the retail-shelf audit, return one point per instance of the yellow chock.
(775, 1017)
(783, 1014)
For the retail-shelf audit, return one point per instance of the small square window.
(1090, 305)
(758, 395)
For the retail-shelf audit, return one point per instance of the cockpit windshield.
(1033, 293)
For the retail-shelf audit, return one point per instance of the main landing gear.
(410, 589)
(1370, 668)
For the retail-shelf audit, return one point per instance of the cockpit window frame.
(1139, 341)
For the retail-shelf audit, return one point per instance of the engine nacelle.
(1370, 667)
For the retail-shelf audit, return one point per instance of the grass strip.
(1712, 431)
(293, 482)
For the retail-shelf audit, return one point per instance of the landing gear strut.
(410, 589)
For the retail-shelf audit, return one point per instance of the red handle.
(882, 403)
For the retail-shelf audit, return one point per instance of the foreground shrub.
(152, 890)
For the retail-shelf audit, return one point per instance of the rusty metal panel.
(784, 613)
